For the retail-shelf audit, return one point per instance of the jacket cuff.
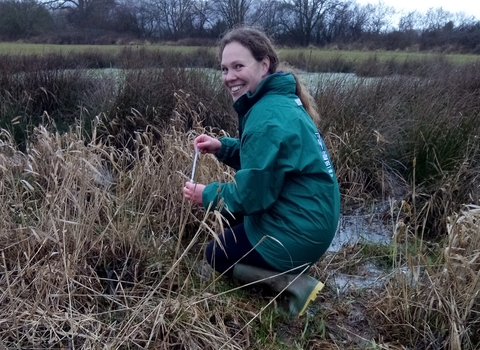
(227, 143)
(210, 195)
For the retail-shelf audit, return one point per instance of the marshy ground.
(99, 250)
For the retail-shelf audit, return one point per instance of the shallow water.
(353, 229)
(370, 277)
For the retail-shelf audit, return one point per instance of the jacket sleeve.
(229, 153)
(259, 182)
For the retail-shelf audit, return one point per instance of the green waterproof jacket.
(285, 185)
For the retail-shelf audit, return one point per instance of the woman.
(285, 187)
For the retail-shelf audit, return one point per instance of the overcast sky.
(470, 7)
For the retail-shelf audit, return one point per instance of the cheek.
(256, 81)
(224, 79)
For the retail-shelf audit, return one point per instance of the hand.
(207, 144)
(193, 192)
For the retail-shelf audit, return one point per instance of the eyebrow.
(232, 63)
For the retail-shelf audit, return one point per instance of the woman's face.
(241, 72)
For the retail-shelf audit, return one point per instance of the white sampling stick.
(194, 165)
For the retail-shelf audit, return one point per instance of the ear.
(265, 66)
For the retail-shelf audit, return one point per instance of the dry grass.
(99, 250)
(433, 300)
(95, 254)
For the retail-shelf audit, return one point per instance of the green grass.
(16, 48)
(13, 48)
(382, 56)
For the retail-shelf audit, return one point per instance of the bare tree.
(125, 18)
(301, 16)
(435, 18)
(267, 15)
(346, 24)
(165, 19)
(203, 16)
(461, 19)
(147, 18)
(85, 13)
(233, 12)
(409, 22)
(380, 17)
(175, 16)
(23, 19)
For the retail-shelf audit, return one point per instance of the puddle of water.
(370, 277)
(360, 228)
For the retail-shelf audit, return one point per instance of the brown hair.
(261, 46)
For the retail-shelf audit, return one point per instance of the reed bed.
(99, 250)
(436, 304)
(98, 247)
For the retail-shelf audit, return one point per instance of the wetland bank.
(88, 263)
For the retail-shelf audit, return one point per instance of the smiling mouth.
(236, 88)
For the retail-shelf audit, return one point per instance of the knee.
(217, 259)
(209, 252)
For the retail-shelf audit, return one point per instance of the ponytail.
(302, 93)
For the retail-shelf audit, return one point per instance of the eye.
(224, 70)
(238, 66)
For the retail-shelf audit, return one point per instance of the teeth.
(236, 88)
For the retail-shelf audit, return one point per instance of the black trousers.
(235, 247)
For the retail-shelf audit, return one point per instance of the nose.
(229, 76)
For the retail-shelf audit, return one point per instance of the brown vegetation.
(98, 248)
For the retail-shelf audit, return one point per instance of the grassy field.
(382, 56)
(10, 48)
(7, 48)
(98, 249)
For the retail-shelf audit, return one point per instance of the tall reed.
(98, 248)
(407, 137)
(96, 254)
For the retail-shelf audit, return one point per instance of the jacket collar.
(279, 83)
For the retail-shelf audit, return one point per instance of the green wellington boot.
(301, 289)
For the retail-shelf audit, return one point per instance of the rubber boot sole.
(311, 297)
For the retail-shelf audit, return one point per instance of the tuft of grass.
(437, 303)
(94, 253)
(409, 138)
